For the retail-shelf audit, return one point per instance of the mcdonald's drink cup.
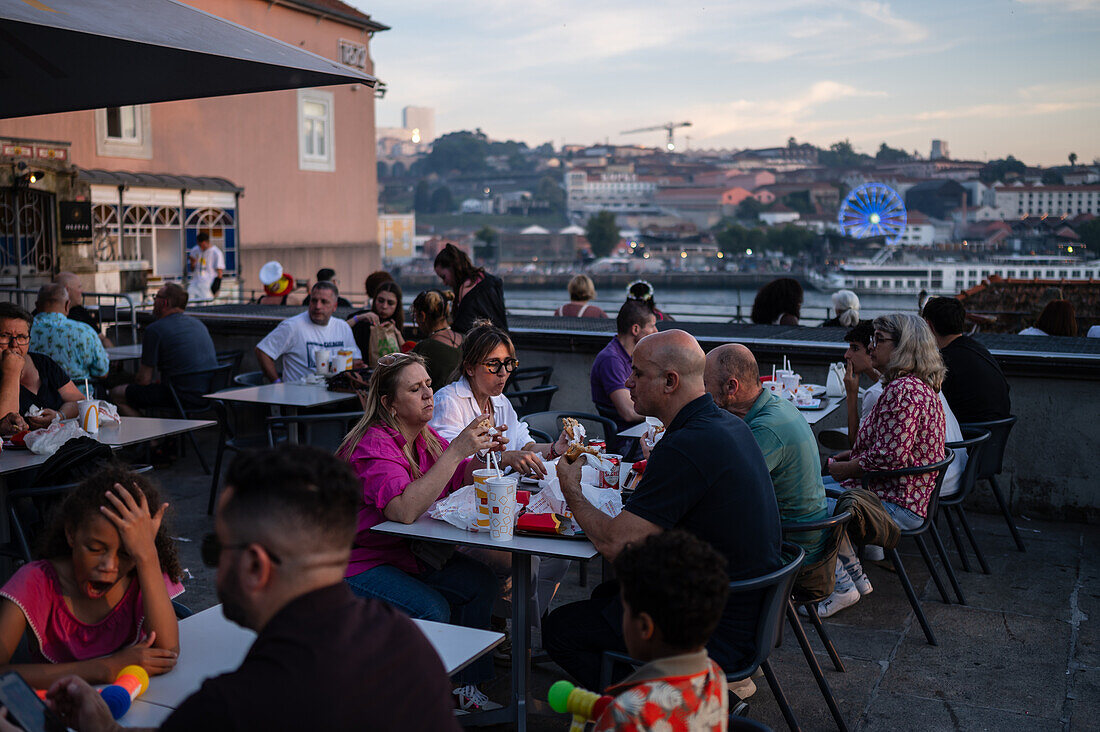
(481, 491)
(322, 359)
(502, 508)
(88, 409)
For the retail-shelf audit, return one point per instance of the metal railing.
(115, 310)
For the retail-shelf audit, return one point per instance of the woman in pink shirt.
(100, 600)
(905, 428)
(405, 467)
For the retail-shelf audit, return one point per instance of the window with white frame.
(124, 132)
(315, 130)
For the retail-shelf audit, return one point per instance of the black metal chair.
(804, 596)
(535, 399)
(550, 423)
(974, 442)
(232, 357)
(992, 463)
(776, 587)
(250, 378)
(27, 511)
(190, 403)
(519, 378)
(917, 534)
(325, 431)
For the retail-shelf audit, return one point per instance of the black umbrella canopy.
(66, 55)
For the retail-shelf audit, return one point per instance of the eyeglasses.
(494, 366)
(20, 339)
(875, 340)
(212, 548)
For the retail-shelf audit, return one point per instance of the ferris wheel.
(873, 209)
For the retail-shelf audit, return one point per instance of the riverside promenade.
(1024, 654)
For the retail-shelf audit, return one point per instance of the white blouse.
(455, 408)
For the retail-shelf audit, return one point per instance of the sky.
(991, 77)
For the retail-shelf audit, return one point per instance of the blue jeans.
(462, 592)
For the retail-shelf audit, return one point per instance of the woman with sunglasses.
(31, 379)
(905, 428)
(405, 466)
(488, 358)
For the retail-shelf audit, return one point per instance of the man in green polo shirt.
(733, 379)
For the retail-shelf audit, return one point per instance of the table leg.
(521, 637)
(292, 428)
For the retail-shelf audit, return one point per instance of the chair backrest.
(521, 376)
(809, 586)
(550, 423)
(214, 379)
(535, 399)
(250, 378)
(230, 357)
(994, 453)
(776, 588)
(975, 441)
(933, 500)
(325, 431)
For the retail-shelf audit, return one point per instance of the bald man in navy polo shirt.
(706, 476)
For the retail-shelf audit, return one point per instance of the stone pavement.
(1023, 654)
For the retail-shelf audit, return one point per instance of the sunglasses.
(494, 366)
(391, 359)
(212, 548)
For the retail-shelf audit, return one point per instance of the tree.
(1073, 160)
(602, 233)
(799, 201)
(842, 155)
(422, 199)
(1090, 234)
(790, 239)
(442, 201)
(487, 235)
(749, 209)
(458, 151)
(996, 170)
(735, 239)
(552, 193)
(887, 154)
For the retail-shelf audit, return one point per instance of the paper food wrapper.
(458, 509)
(550, 499)
(47, 440)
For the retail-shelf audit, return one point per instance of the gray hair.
(326, 285)
(51, 293)
(915, 352)
(846, 305)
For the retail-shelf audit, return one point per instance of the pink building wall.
(305, 219)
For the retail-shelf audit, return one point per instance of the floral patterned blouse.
(685, 692)
(905, 428)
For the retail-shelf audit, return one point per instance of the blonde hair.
(581, 288)
(846, 305)
(915, 352)
(383, 385)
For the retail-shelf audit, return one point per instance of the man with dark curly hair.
(673, 589)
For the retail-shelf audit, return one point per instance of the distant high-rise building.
(939, 150)
(420, 120)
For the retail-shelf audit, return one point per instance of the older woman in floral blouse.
(905, 428)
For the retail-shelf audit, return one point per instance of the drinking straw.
(773, 372)
(87, 394)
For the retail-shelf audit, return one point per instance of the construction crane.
(668, 127)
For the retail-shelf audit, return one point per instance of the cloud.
(1067, 5)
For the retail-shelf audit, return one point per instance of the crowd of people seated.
(304, 569)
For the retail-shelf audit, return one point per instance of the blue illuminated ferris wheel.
(873, 209)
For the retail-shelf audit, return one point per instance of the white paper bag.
(47, 440)
(834, 386)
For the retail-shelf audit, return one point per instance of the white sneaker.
(836, 602)
(858, 577)
(470, 698)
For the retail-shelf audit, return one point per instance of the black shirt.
(975, 387)
(177, 345)
(328, 661)
(708, 477)
(51, 379)
(485, 300)
(81, 314)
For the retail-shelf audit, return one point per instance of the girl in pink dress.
(100, 599)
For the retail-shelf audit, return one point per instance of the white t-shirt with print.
(207, 264)
(295, 339)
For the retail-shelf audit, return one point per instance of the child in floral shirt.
(674, 589)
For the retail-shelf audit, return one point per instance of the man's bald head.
(732, 376)
(674, 350)
(70, 282)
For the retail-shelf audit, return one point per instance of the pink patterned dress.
(905, 428)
